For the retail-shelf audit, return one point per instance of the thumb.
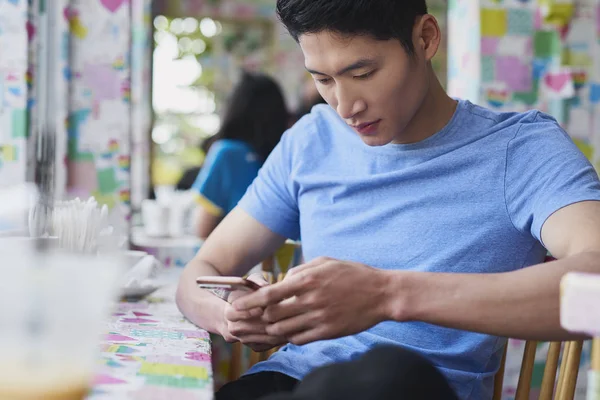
(312, 264)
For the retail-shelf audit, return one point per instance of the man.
(424, 220)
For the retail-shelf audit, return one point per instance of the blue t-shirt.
(470, 199)
(229, 168)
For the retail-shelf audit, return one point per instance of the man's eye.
(364, 76)
(324, 81)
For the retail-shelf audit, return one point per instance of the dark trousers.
(381, 374)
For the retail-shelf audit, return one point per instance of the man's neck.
(434, 114)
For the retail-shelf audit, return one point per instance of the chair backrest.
(564, 389)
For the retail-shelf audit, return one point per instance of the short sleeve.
(545, 171)
(210, 185)
(272, 197)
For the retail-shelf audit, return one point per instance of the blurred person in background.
(186, 182)
(254, 120)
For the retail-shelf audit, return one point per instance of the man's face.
(374, 85)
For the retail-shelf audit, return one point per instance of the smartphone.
(222, 286)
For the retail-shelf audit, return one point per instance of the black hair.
(380, 19)
(255, 113)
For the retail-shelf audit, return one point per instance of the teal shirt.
(229, 168)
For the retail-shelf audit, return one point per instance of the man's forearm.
(201, 307)
(522, 304)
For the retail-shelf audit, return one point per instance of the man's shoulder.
(531, 119)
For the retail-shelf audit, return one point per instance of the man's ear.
(426, 36)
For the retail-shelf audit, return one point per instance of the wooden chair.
(567, 376)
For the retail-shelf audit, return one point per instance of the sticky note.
(518, 46)
(520, 21)
(107, 181)
(489, 46)
(9, 153)
(517, 75)
(546, 44)
(557, 12)
(19, 123)
(558, 84)
(493, 22)
(497, 95)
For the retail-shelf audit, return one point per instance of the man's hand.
(323, 299)
(248, 327)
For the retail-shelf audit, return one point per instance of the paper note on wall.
(107, 181)
(493, 22)
(514, 73)
(557, 12)
(557, 84)
(517, 46)
(19, 123)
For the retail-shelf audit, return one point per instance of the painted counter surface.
(149, 351)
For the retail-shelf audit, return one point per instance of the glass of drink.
(52, 311)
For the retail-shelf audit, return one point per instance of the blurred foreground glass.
(52, 309)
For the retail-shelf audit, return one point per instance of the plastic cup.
(53, 307)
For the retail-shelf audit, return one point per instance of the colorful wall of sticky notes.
(531, 54)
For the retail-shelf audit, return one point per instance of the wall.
(516, 55)
(102, 54)
(99, 104)
(13, 91)
(525, 57)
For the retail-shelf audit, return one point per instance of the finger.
(231, 314)
(237, 294)
(245, 328)
(292, 326)
(303, 267)
(275, 293)
(288, 308)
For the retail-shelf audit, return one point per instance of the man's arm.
(521, 304)
(237, 244)
(321, 299)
